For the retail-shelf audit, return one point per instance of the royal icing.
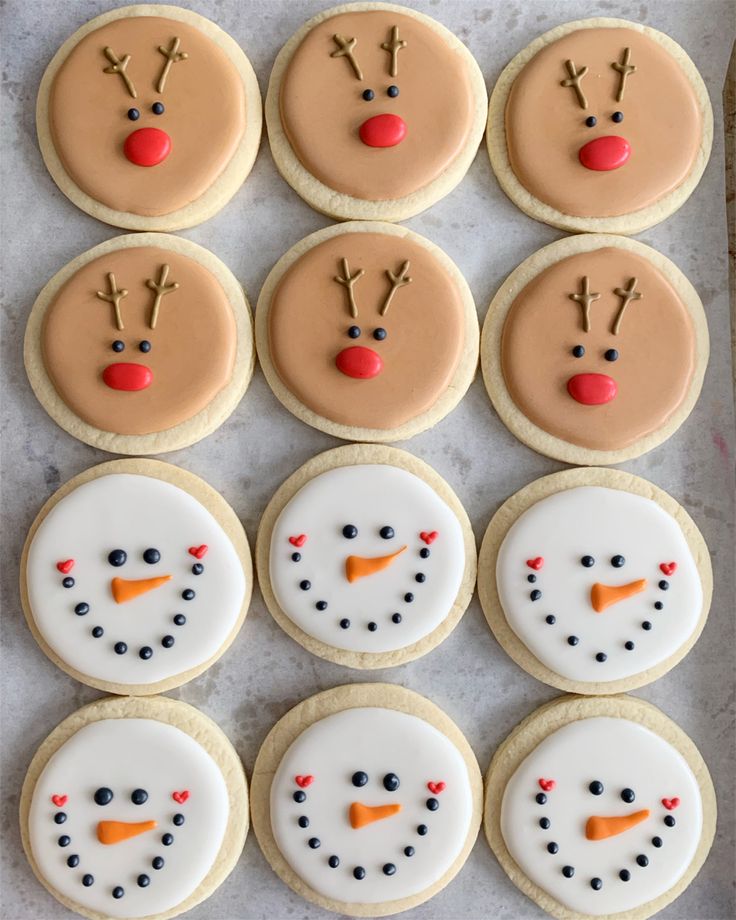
(383, 808)
(367, 558)
(154, 585)
(599, 584)
(127, 817)
(618, 823)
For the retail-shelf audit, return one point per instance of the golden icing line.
(345, 49)
(393, 46)
(114, 296)
(397, 280)
(173, 56)
(574, 81)
(624, 68)
(162, 289)
(627, 294)
(585, 298)
(348, 281)
(120, 66)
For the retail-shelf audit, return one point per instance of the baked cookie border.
(305, 714)
(353, 455)
(634, 221)
(512, 509)
(224, 186)
(490, 350)
(207, 496)
(339, 205)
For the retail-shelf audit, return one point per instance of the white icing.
(368, 496)
(133, 513)
(602, 523)
(621, 755)
(124, 755)
(377, 742)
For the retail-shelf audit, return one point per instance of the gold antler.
(585, 298)
(397, 280)
(345, 49)
(114, 296)
(393, 46)
(348, 281)
(624, 69)
(162, 289)
(627, 294)
(574, 80)
(173, 56)
(118, 66)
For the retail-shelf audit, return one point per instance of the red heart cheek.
(59, 800)
(180, 797)
(65, 566)
(303, 781)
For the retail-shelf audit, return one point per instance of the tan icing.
(322, 107)
(193, 345)
(655, 342)
(204, 114)
(545, 123)
(310, 315)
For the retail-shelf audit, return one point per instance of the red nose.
(605, 153)
(147, 146)
(383, 131)
(359, 362)
(127, 376)
(592, 389)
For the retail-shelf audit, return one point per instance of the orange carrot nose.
(114, 831)
(360, 815)
(598, 828)
(359, 566)
(602, 596)
(125, 589)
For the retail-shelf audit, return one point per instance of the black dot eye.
(145, 346)
(391, 782)
(103, 796)
(354, 332)
(117, 557)
(379, 334)
(134, 114)
(350, 531)
(628, 795)
(596, 787)
(151, 556)
(578, 351)
(158, 108)
(393, 91)
(618, 117)
(611, 355)
(138, 796)
(118, 346)
(387, 532)
(587, 561)
(618, 561)
(368, 95)
(360, 778)
(591, 121)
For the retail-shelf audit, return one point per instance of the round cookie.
(594, 349)
(367, 331)
(149, 118)
(143, 344)
(366, 557)
(135, 577)
(599, 807)
(366, 799)
(134, 808)
(594, 581)
(374, 111)
(600, 125)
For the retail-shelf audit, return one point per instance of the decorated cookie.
(599, 807)
(134, 808)
(366, 557)
(367, 331)
(594, 349)
(600, 125)
(366, 799)
(149, 118)
(374, 111)
(135, 576)
(142, 344)
(594, 580)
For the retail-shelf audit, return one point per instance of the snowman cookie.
(594, 349)
(367, 331)
(599, 807)
(366, 799)
(594, 581)
(374, 111)
(143, 344)
(149, 118)
(600, 125)
(134, 808)
(366, 557)
(135, 577)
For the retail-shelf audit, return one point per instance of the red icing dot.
(428, 537)
(303, 781)
(383, 131)
(536, 563)
(147, 146)
(669, 804)
(359, 362)
(605, 153)
(130, 377)
(668, 568)
(65, 566)
(299, 540)
(198, 551)
(547, 784)
(592, 389)
(180, 797)
(59, 800)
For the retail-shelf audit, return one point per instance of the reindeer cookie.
(600, 125)
(367, 331)
(149, 118)
(366, 556)
(594, 349)
(366, 799)
(143, 344)
(594, 581)
(134, 808)
(374, 111)
(135, 577)
(599, 807)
